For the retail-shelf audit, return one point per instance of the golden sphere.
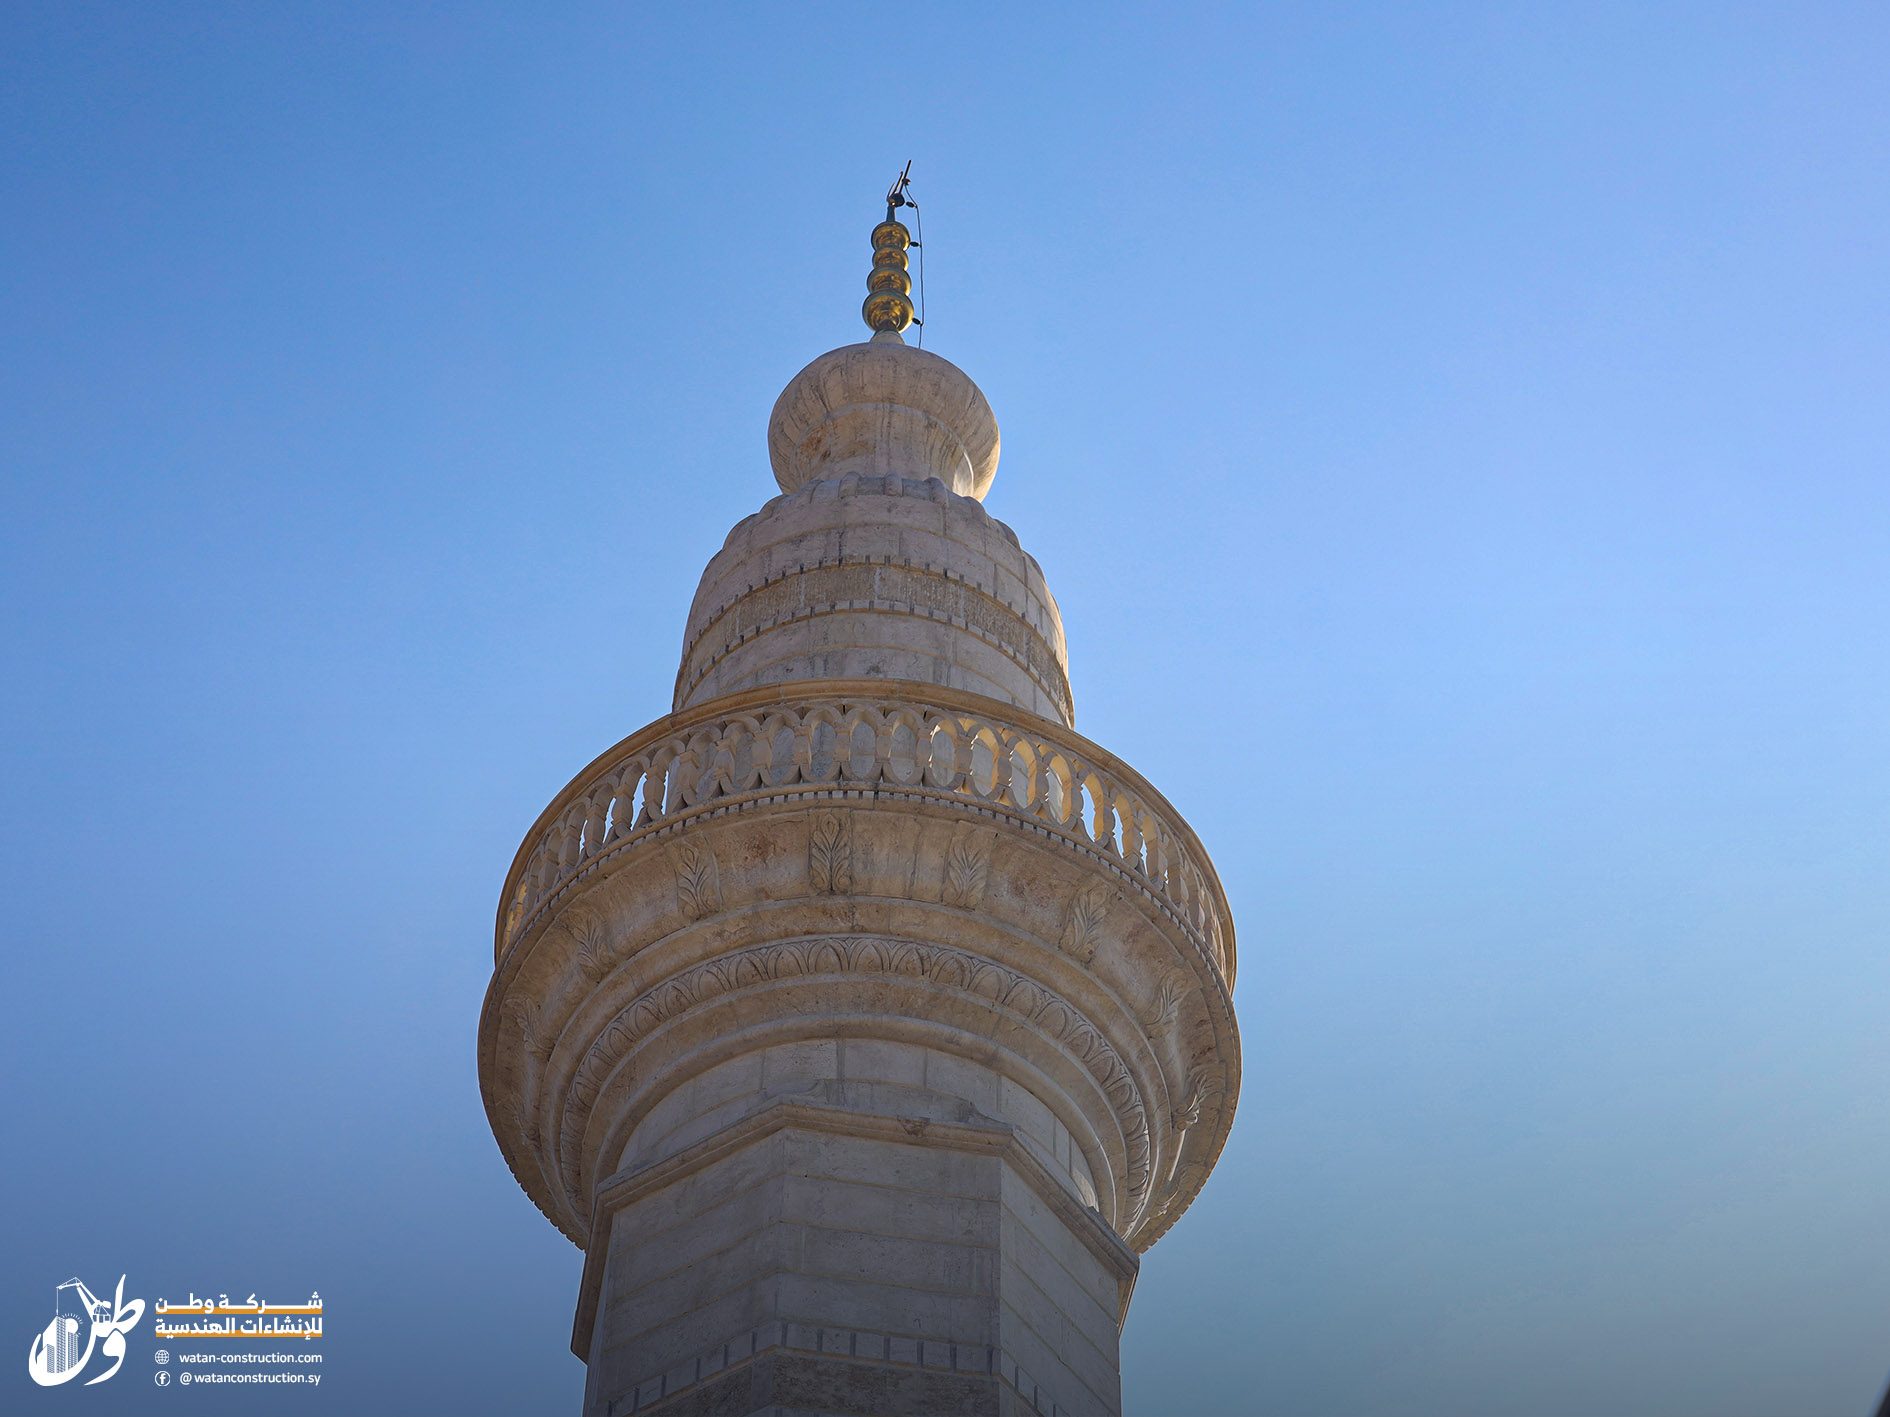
(887, 310)
(889, 278)
(888, 256)
(891, 234)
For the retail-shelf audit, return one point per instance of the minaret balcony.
(868, 860)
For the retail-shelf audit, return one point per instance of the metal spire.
(888, 308)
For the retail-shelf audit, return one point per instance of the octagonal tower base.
(857, 1227)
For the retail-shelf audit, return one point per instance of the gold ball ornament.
(887, 310)
(890, 235)
(889, 278)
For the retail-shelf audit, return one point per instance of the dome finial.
(888, 308)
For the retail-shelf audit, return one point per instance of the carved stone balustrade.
(778, 742)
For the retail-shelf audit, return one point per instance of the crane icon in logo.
(57, 1356)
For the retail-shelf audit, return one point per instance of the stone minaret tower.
(859, 1020)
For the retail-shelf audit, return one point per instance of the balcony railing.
(812, 738)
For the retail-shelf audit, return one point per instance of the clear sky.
(1458, 438)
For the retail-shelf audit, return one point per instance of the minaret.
(859, 1020)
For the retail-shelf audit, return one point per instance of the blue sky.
(1457, 437)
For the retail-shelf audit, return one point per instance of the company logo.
(250, 1318)
(56, 1356)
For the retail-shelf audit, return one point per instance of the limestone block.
(871, 1248)
(885, 1210)
(878, 1061)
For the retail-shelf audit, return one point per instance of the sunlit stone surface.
(860, 1021)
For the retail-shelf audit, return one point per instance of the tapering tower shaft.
(860, 1020)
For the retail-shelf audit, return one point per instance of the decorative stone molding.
(592, 952)
(1082, 925)
(866, 584)
(927, 744)
(1166, 1005)
(1011, 993)
(830, 853)
(1189, 1113)
(967, 861)
(882, 575)
(698, 883)
(525, 1014)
